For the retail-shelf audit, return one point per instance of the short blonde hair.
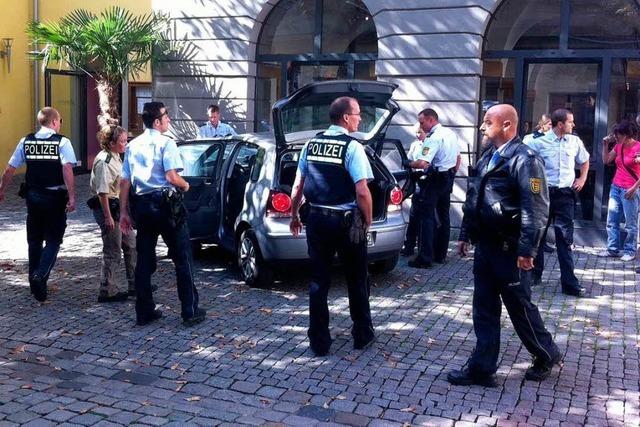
(47, 115)
(108, 135)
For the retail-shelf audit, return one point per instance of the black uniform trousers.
(561, 214)
(327, 234)
(153, 218)
(46, 223)
(496, 275)
(434, 202)
(413, 227)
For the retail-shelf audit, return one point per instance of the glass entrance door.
(574, 86)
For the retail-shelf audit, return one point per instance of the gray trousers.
(114, 243)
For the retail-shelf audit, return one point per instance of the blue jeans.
(153, 218)
(618, 205)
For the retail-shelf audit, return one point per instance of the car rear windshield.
(316, 117)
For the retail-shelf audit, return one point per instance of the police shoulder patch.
(108, 159)
(535, 184)
(425, 151)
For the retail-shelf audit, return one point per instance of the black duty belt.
(339, 213)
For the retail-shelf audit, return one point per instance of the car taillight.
(279, 204)
(395, 200)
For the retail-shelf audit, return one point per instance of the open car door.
(392, 154)
(202, 163)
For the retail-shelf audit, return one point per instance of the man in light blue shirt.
(150, 171)
(49, 193)
(561, 152)
(440, 157)
(214, 127)
(333, 172)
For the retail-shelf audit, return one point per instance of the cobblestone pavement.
(73, 361)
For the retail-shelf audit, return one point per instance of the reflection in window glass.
(267, 92)
(525, 24)
(289, 28)
(347, 27)
(199, 159)
(611, 24)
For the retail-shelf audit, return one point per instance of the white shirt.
(208, 131)
(414, 150)
(440, 148)
(560, 155)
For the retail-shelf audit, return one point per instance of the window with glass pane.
(497, 82)
(199, 159)
(347, 27)
(289, 29)
(365, 70)
(300, 74)
(525, 24)
(611, 24)
(267, 92)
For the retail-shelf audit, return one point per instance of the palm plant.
(108, 47)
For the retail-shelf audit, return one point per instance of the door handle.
(207, 181)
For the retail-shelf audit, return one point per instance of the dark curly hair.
(108, 135)
(626, 128)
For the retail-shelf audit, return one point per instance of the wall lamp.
(6, 52)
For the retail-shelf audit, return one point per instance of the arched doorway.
(302, 41)
(540, 55)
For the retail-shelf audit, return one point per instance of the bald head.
(500, 124)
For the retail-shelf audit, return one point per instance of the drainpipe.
(36, 69)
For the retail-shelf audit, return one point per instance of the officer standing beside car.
(150, 171)
(440, 159)
(49, 192)
(561, 152)
(333, 172)
(504, 216)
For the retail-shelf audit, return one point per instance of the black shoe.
(198, 317)
(155, 315)
(319, 351)
(418, 263)
(579, 292)
(38, 288)
(440, 261)
(541, 368)
(466, 377)
(406, 251)
(119, 297)
(363, 344)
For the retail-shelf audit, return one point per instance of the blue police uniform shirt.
(560, 157)
(66, 152)
(208, 131)
(356, 162)
(440, 148)
(147, 159)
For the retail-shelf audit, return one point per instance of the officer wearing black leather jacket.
(504, 216)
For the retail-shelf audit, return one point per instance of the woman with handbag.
(624, 196)
(105, 187)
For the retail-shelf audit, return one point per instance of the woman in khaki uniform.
(105, 182)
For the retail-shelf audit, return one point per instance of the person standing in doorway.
(49, 191)
(561, 151)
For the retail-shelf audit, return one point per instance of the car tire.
(385, 265)
(253, 269)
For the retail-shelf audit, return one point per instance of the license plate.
(371, 238)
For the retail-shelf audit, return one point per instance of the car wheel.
(385, 265)
(254, 270)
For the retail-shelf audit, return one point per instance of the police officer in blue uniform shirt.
(561, 152)
(214, 127)
(333, 173)
(505, 213)
(49, 192)
(440, 158)
(150, 172)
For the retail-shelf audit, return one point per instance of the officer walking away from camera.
(561, 151)
(150, 171)
(214, 128)
(504, 216)
(333, 172)
(105, 187)
(49, 192)
(440, 159)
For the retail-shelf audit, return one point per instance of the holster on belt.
(354, 221)
(173, 201)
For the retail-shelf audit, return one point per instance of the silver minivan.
(241, 185)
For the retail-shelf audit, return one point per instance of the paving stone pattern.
(72, 361)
